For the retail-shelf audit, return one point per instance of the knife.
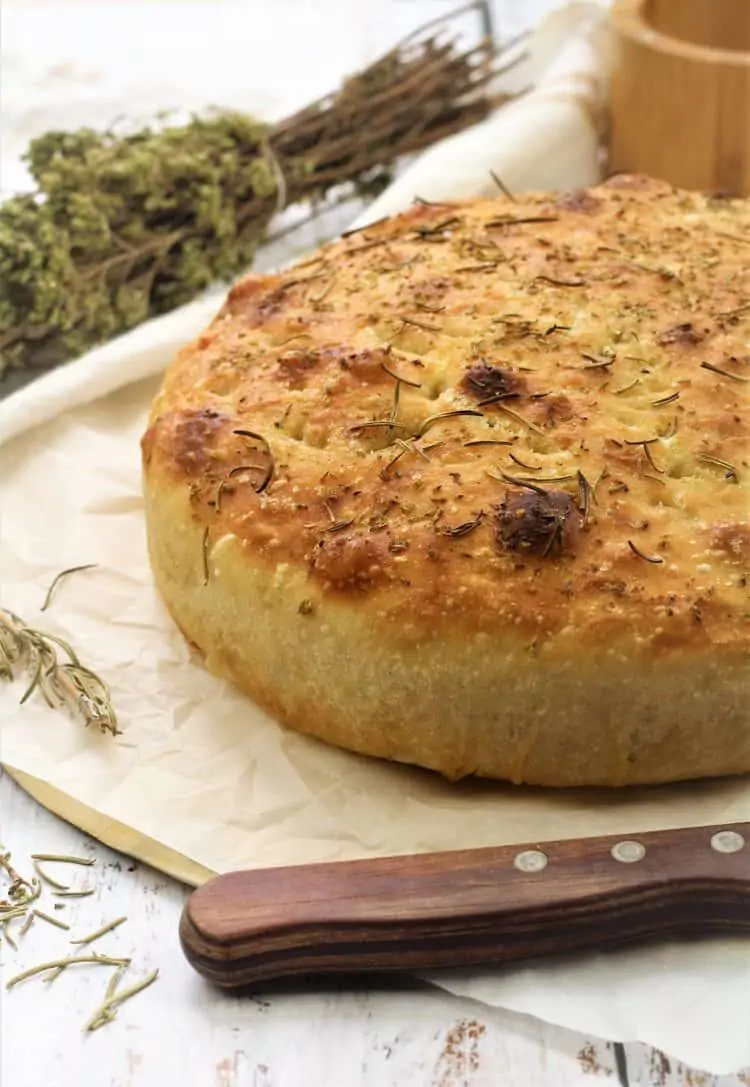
(466, 907)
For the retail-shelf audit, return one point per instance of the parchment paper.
(201, 781)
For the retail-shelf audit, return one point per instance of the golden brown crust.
(524, 417)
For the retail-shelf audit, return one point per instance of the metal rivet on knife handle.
(727, 841)
(531, 860)
(628, 852)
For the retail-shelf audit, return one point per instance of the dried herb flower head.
(539, 522)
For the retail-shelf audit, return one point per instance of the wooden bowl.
(680, 94)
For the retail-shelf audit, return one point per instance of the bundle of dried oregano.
(127, 226)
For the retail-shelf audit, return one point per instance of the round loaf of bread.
(468, 488)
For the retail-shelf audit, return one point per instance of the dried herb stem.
(50, 880)
(502, 186)
(204, 554)
(266, 448)
(516, 220)
(55, 964)
(431, 420)
(522, 464)
(585, 495)
(597, 364)
(465, 527)
(627, 388)
(100, 932)
(398, 377)
(51, 920)
(656, 559)
(27, 923)
(113, 999)
(63, 858)
(58, 579)
(731, 472)
(554, 282)
(491, 441)
(520, 419)
(724, 373)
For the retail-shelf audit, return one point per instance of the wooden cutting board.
(468, 907)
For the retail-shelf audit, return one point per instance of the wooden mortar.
(680, 93)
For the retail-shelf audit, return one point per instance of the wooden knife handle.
(468, 907)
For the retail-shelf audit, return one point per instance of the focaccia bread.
(468, 488)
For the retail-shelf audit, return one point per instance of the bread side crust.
(463, 705)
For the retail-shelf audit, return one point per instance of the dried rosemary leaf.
(55, 964)
(58, 579)
(112, 1000)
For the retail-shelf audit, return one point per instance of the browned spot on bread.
(685, 333)
(734, 539)
(579, 200)
(484, 381)
(540, 522)
(636, 182)
(257, 298)
(192, 437)
(364, 365)
(350, 560)
(294, 365)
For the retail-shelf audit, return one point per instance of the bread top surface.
(517, 415)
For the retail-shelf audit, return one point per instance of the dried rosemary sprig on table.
(62, 683)
(127, 226)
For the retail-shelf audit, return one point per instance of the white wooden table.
(180, 1031)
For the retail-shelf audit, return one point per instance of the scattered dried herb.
(729, 469)
(269, 470)
(21, 895)
(585, 495)
(520, 419)
(108, 1009)
(75, 960)
(465, 527)
(641, 555)
(58, 579)
(502, 186)
(522, 464)
(45, 877)
(63, 858)
(430, 421)
(724, 373)
(109, 927)
(51, 920)
(204, 555)
(553, 281)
